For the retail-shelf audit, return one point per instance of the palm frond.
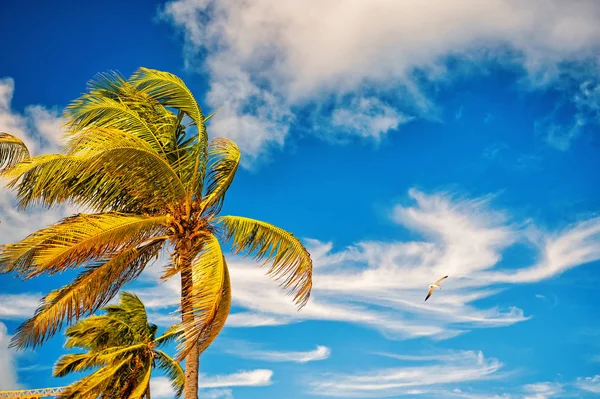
(210, 332)
(95, 384)
(172, 92)
(97, 110)
(142, 384)
(290, 260)
(91, 290)
(43, 179)
(77, 240)
(208, 278)
(224, 158)
(172, 370)
(12, 151)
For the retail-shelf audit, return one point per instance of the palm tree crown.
(138, 157)
(123, 347)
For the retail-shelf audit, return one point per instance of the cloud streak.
(466, 366)
(249, 351)
(382, 285)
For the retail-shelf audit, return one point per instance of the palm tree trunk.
(192, 361)
(148, 392)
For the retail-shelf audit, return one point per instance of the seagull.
(434, 286)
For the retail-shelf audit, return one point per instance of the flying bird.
(434, 286)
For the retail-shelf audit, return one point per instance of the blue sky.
(402, 141)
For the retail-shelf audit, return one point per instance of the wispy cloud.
(212, 386)
(466, 366)
(251, 351)
(383, 284)
(589, 384)
(266, 59)
(542, 390)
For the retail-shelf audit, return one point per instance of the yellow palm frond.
(290, 260)
(12, 151)
(77, 240)
(210, 332)
(224, 158)
(172, 92)
(142, 384)
(94, 110)
(43, 179)
(208, 279)
(122, 157)
(95, 384)
(91, 290)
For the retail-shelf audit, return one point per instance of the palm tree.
(122, 346)
(138, 156)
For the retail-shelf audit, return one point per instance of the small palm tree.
(123, 348)
(151, 184)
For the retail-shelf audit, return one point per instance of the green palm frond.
(290, 260)
(91, 290)
(208, 279)
(224, 159)
(172, 370)
(12, 151)
(120, 346)
(78, 240)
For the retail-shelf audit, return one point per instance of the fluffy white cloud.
(383, 284)
(18, 306)
(249, 351)
(8, 373)
(40, 130)
(453, 368)
(212, 386)
(266, 57)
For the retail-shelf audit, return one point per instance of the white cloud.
(40, 130)
(249, 351)
(283, 55)
(212, 386)
(589, 384)
(367, 117)
(465, 366)
(8, 374)
(382, 285)
(18, 306)
(542, 390)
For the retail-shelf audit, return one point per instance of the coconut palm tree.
(123, 348)
(138, 156)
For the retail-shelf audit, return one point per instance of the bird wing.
(429, 293)
(442, 279)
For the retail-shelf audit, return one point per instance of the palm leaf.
(12, 151)
(96, 110)
(78, 240)
(290, 260)
(172, 92)
(91, 290)
(224, 158)
(208, 278)
(210, 332)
